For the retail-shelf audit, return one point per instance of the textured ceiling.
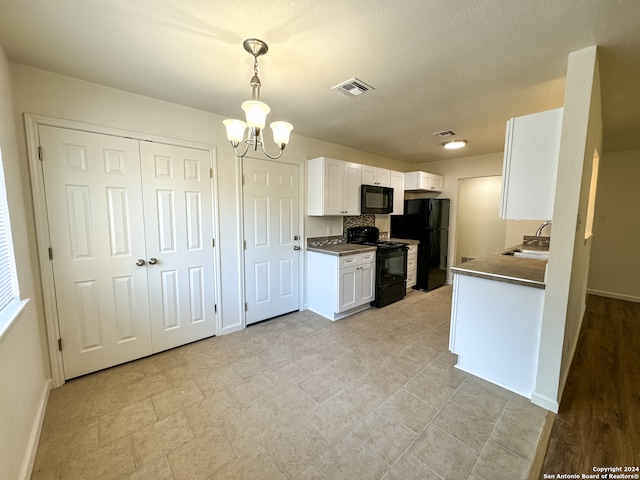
(465, 65)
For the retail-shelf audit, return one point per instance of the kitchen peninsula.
(496, 317)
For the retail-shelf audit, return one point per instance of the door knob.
(153, 261)
(296, 237)
(140, 262)
(296, 247)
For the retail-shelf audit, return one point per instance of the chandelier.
(256, 113)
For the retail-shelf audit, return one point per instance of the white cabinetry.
(412, 266)
(333, 187)
(532, 146)
(423, 181)
(396, 180)
(495, 331)
(375, 176)
(339, 286)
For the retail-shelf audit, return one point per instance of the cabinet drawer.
(358, 259)
(412, 263)
(411, 280)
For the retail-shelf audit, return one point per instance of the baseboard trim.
(617, 296)
(545, 402)
(535, 472)
(34, 438)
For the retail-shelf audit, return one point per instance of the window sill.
(10, 314)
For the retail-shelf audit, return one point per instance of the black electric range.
(391, 264)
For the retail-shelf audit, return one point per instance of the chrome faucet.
(539, 231)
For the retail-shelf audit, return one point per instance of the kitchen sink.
(522, 253)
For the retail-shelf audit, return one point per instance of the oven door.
(391, 266)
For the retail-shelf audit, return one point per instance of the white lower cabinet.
(412, 266)
(339, 286)
(495, 331)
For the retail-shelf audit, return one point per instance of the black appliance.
(376, 200)
(426, 220)
(391, 264)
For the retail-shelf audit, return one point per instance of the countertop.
(506, 268)
(342, 249)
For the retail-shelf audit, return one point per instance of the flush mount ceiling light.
(256, 113)
(454, 144)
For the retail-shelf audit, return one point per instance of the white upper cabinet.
(423, 181)
(531, 151)
(375, 176)
(333, 187)
(397, 183)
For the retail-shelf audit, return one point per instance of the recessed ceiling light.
(454, 144)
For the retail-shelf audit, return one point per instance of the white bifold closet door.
(130, 225)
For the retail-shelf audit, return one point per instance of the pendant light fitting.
(256, 113)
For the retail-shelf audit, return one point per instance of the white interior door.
(94, 204)
(179, 232)
(272, 233)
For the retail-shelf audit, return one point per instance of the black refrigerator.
(427, 220)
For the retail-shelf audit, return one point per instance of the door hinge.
(50, 253)
(213, 242)
(244, 242)
(246, 306)
(60, 344)
(215, 309)
(40, 153)
(243, 179)
(211, 173)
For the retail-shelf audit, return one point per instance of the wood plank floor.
(599, 419)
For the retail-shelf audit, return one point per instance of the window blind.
(8, 280)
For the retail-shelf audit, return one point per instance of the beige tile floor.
(298, 397)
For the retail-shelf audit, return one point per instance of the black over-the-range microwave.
(376, 200)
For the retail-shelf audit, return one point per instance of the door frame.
(302, 288)
(32, 126)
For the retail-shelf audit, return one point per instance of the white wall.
(45, 93)
(480, 231)
(614, 260)
(23, 365)
(569, 252)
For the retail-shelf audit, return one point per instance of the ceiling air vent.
(445, 133)
(353, 87)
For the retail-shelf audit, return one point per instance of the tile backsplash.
(347, 222)
(359, 221)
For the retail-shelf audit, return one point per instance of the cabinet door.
(368, 175)
(532, 147)
(375, 176)
(367, 283)
(437, 183)
(334, 187)
(351, 189)
(348, 285)
(383, 177)
(396, 180)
